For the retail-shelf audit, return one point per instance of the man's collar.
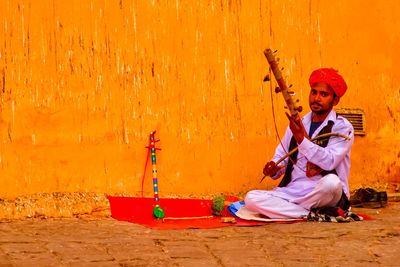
(331, 117)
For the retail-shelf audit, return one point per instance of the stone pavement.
(89, 241)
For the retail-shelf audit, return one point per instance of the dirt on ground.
(101, 241)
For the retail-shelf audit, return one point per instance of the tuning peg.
(266, 78)
(277, 59)
(277, 89)
(299, 108)
(290, 85)
(291, 93)
(297, 100)
(282, 68)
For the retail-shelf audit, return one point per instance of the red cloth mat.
(140, 210)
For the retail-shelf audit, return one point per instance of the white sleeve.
(281, 151)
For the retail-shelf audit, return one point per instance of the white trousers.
(326, 193)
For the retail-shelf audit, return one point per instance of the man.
(317, 176)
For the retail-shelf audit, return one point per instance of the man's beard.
(321, 111)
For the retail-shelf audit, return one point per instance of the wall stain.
(80, 81)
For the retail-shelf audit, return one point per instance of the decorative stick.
(188, 218)
(157, 211)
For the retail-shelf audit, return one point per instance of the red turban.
(331, 77)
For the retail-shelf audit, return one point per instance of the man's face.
(322, 99)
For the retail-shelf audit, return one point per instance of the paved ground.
(90, 241)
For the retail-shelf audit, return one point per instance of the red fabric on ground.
(140, 210)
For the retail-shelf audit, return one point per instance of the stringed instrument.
(311, 169)
(282, 87)
(294, 110)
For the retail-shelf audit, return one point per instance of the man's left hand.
(296, 126)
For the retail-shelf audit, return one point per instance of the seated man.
(317, 175)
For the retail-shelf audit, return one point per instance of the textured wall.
(82, 84)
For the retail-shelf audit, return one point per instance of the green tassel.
(218, 205)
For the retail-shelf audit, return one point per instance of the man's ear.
(336, 100)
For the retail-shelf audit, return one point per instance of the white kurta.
(303, 192)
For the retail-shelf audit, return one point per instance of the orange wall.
(82, 84)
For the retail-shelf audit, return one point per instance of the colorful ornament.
(157, 211)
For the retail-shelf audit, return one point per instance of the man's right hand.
(271, 169)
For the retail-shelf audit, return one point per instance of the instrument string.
(274, 119)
